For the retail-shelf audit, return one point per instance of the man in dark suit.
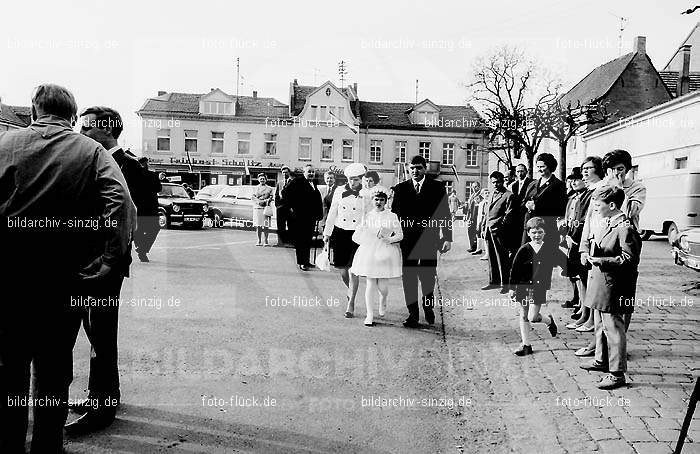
(522, 189)
(421, 205)
(78, 219)
(282, 209)
(305, 210)
(499, 223)
(147, 206)
(104, 125)
(547, 199)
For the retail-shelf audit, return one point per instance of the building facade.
(14, 117)
(217, 138)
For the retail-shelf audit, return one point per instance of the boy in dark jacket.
(530, 278)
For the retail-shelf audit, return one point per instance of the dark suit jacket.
(143, 185)
(304, 201)
(532, 270)
(501, 210)
(424, 217)
(328, 199)
(279, 188)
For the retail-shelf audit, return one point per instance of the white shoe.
(369, 321)
(381, 310)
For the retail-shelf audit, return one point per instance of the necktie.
(417, 188)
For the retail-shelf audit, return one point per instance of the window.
(326, 149)
(304, 148)
(448, 186)
(634, 171)
(470, 155)
(375, 151)
(400, 151)
(243, 143)
(222, 108)
(331, 113)
(163, 140)
(341, 112)
(424, 150)
(347, 150)
(217, 142)
(448, 153)
(190, 141)
(313, 112)
(682, 163)
(270, 144)
(323, 113)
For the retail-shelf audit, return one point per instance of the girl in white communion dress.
(378, 257)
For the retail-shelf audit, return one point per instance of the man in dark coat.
(282, 208)
(471, 210)
(546, 200)
(521, 188)
(66, 219)
(147, 206)
(421, 205)
(305, 210)
(499, 223)
(104, 125)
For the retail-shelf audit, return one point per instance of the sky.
(120, 53)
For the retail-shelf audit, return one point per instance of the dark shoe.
(570, 304)
(303, 267)
(91, 421)
(471, 250)
(477, 252)
(349, 314)
(594, 366)
(611, 381)
(429, 315)
(411, 324)
(576, 315)
(490, 287)
(552, 326)
(585, 351)
(143, 257)
(524, 350)
(83, 406)
(310, 265)
(503, 290)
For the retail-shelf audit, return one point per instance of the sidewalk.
(547, 403)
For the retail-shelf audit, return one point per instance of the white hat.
(378, 189)
(355, 170)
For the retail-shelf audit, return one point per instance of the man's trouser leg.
(494, 269)
(614, 328)
(409, 279)
(427, 270)
(282, 225)
(101, 326)
(14, 390)
(148, 228)
(303, 233)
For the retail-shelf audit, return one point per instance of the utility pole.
(342, 71)
(623, 21)
(416, 91)
(238, 75)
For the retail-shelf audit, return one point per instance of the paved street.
(227, 347)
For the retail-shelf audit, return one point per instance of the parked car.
(673, 203)
(176, 207)
(229, 203)
(686, 249)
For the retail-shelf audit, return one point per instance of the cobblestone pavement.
(546, 403)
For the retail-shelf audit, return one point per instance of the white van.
(673, 202)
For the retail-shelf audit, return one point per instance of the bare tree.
(512, 93)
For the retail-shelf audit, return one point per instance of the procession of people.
(368, 230)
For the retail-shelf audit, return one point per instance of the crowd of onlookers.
(588, 226)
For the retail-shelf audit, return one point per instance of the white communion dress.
(375, 257)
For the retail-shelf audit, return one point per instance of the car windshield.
(173, 191)
(210, 191)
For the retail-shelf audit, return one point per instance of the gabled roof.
(670, 78)
(694, 30)
(301, 92)
(15, 115)
(598, 82)
(188, 103)
(395, 115)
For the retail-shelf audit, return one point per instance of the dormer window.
(218, 108)
(425, 117)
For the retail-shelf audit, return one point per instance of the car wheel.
(646, 234)
(163, 221)
(672, 233)
(198, 225)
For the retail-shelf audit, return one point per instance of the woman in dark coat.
(546, 200)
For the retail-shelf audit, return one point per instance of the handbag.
(322, 261)
(268, 210)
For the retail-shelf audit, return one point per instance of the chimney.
(255, 94)
(683, 85)
(354, 88)
(640, 45)
(161, 92)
